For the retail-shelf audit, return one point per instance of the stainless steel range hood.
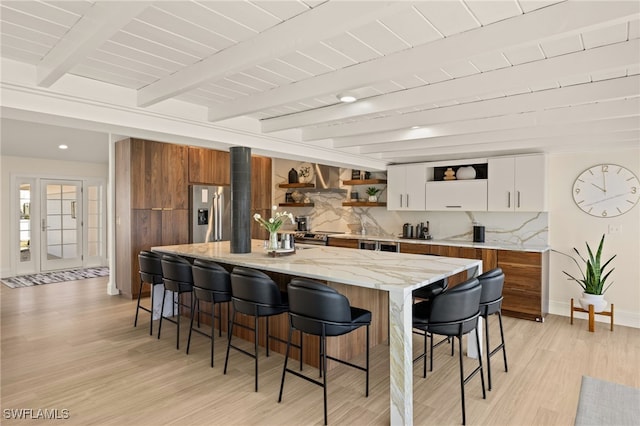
(327, 179)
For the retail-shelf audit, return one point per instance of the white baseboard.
(621, 317)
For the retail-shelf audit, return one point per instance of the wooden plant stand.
(592, 314)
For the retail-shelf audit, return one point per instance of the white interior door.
(61, 224)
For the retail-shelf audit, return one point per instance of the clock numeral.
(605, 168)
(634, 189)
(577, 190)
(604, 213)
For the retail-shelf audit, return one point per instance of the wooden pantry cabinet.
(152, 203)
(152, 197)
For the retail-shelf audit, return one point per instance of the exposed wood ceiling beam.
(577, 141)
(99, 24)
(546, 23)
(517, 77)
(557, 131)
(553, 98)
(580, 113)
(324, 21)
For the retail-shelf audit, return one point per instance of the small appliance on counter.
(421, 231)
(478, 234)
(407, 230)
(303, 224)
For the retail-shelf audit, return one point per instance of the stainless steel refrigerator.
(210, 215)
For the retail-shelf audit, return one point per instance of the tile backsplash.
(328, 214)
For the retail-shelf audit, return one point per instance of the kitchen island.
(397, 274)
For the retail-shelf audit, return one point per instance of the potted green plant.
(372, 192)
(593, 278)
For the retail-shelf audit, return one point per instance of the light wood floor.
(70, 346)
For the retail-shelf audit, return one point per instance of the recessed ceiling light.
(347, 97)
(63, 146)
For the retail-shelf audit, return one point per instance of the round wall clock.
(606, 190)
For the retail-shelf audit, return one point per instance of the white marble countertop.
(364, 268)
(457, 243)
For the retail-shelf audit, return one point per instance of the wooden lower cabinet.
(526, 284)
(343, 242)
(148, 228)
(488, 256)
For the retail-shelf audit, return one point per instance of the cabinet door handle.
(407, 200)
(509, 199)
(453, 207)
(400, 200)
(518, 199)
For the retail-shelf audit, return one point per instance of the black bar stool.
(453, 313)
(178, 279)
(150, 273)
(429, 291)
(492, 283)
(320, 310)
(254, 294)
(211, 283)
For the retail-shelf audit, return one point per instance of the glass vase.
(273, 241)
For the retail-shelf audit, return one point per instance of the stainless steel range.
(318, 238)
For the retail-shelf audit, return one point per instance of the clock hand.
(604, 181)
(607, 199)
(601, 189)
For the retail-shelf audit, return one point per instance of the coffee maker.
(303, 223)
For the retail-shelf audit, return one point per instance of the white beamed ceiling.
(434, 79)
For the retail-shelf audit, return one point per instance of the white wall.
(37, 167)
(570, 227)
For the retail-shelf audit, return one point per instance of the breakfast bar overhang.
(396, 273)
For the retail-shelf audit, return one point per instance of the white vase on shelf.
(465, 173)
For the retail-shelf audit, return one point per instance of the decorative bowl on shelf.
(297, 196)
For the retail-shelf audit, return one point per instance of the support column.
(240, 199)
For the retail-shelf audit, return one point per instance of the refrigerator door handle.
(214, 209)
(210, 224)
(219, 211)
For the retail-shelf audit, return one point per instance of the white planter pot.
(597, 300)
(373, 198)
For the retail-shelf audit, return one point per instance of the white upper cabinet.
(461, 195)
(517, 183)
(406, 187)
(457, 185)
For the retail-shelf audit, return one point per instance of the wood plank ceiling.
(433, 79)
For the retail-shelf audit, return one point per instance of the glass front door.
(61, 224)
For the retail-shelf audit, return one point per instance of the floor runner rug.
(55, 277)
(606, 403)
